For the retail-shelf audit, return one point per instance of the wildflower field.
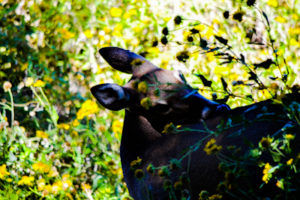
(56, 142)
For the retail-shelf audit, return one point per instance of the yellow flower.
(153, 50)
(66, 34)
(75, 123)
(117, 30)
(295, 17)
(142, 87)
(130, 13)
(74, 133)
(137, 29)
(24, 66)
(66, 184)
(65, 176)
(115, 12)
(166, 19)
(88, 107)
(136, 162)
(265, 142)
(3, 172)
(53, 172)
(117, 128)
(280, 19)
(26, 180)
(146, 103)
(41, 183)
(106, 30)
(200, 27)
(85, 186)
(280, 184)
(41, 134)
(219, 70)
(9, 180)
(47, 189)
(41, 167)
(6, 86)
(48, 79)
(294, 42)
(294, 31)
(267, 168)
(290, 161)
(273, 3)
(63, 126)
(209, 33)
(88, 34)
(28, 81)
(215, 197)
(57, 187)
(266, 173)
(70, 197)
(211, 147)
(168, 128)
(289, 136)
(39, 83)
(106, 190)
(210, 57)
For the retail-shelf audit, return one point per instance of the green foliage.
(55, 143)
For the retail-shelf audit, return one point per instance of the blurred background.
(56, 142)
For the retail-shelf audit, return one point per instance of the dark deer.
(155, 97)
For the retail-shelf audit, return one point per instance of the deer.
(155, 99)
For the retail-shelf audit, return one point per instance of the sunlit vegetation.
(56, 142)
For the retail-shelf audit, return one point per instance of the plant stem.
(12, 107)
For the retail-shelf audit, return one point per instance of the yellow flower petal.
(26, 180)
(88, 34)
(273, 3)
(280, 19)
(88, 107)
(115, 12)
(290, 161)
(39, 83)
(3, 172)
(41, 134)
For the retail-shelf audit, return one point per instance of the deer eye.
(162, 108)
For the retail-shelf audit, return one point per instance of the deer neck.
(137, 135)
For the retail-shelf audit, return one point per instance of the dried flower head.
(177, 20)
(165, 31)
(139, 173)
(226, 14)
(150, 169)
(164, 40)
(265, 142)
(7, 86)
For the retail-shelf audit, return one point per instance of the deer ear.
(111, 96)
(126, 61)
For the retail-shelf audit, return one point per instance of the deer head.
(160, 95)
